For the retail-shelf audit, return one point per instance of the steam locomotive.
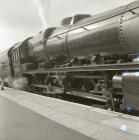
(94, 57)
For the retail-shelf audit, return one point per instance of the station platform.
(28, 116)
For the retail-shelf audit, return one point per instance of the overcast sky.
(20, 19)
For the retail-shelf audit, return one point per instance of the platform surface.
(20, 123)
(65, 120)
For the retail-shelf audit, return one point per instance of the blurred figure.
(2, 83)
(2, 74)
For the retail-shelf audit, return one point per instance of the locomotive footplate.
(104, 67)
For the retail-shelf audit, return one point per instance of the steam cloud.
(20, 83)
(40, 5)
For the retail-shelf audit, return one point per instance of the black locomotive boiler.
(94, 57)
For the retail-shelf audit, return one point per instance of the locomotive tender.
(94, 57)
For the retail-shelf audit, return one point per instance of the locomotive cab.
(14, 58)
